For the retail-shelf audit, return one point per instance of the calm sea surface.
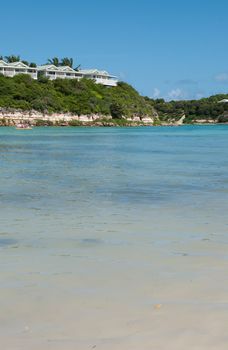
(114, 238)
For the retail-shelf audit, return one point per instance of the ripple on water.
(91, 241)
(5, 242)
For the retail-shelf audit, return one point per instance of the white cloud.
(175, 94)
(222, 77)
(156, 93)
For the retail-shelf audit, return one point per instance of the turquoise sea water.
(99, 225)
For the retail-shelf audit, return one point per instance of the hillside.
(85, 98)
(82, 97)
(203, 110)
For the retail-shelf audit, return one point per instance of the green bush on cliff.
(65, 95)
(116, 110)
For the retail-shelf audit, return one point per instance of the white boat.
(23, 127)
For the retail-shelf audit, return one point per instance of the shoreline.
(116, 123)
(12, 117)
(109, 125)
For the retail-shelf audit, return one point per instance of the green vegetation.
(116, 110)
(116, 122)
(41, 122)
(203, 109)
(82, 97)
(3, 122)
(66, 61)
(11, 58)
(75, 123)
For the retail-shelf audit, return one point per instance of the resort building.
(12, 69)
(100, 77)
(53, 72)
(225, 100)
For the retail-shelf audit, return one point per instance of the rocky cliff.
(12, 117)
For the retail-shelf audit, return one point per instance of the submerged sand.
(159, 286)
(114, 240)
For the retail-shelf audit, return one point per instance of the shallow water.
(114, 238)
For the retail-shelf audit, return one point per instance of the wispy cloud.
(175, 94)
(222, 77)
(156, 93)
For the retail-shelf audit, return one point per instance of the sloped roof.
(48, 67)
(55, 68)
(96, 72)
(66, 69)
(93, 71)
(3, 63)
(18, 64)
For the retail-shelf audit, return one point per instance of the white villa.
(225, 100)
(53, 72)
(12, 69)
(100, 77)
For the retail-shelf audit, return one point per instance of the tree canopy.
(65, 61)
(12, 58)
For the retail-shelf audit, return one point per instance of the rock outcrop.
(11, 117)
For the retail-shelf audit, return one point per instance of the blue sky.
(171, 49)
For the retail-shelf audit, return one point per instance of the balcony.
(9, 72)
(70, 76)
(107, 81)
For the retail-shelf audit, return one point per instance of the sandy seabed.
(114, 240)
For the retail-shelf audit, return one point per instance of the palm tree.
(54, 61)
(12, 58)
(33, 65)
(67, 62)
(77, 68)
(25, 62)
(1, 57)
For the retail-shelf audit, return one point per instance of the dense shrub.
(66, 95)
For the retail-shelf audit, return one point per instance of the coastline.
(12, 117)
